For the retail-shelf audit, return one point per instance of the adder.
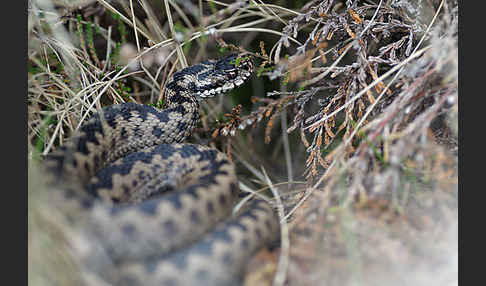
(162, 209)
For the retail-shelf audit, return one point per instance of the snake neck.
(180, 96)
(182, 106)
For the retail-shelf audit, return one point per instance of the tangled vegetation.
(349, 124)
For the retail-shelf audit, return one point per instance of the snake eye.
(232, 74)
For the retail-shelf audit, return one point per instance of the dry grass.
(356, 143)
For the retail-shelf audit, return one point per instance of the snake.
(161, 208)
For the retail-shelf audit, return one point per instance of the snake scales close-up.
(162, 208)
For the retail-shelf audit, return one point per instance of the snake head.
(225, 74)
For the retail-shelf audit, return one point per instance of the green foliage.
(121, 26)
(89, 33)
(32, 69)
(262, 69)
(124, 90)
(41, 139)
(79, 19)
(159, 104)
(223, 50)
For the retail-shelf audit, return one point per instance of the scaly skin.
(158, 206)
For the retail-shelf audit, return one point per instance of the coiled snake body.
(161, 207)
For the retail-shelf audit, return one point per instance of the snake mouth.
(227, 74)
